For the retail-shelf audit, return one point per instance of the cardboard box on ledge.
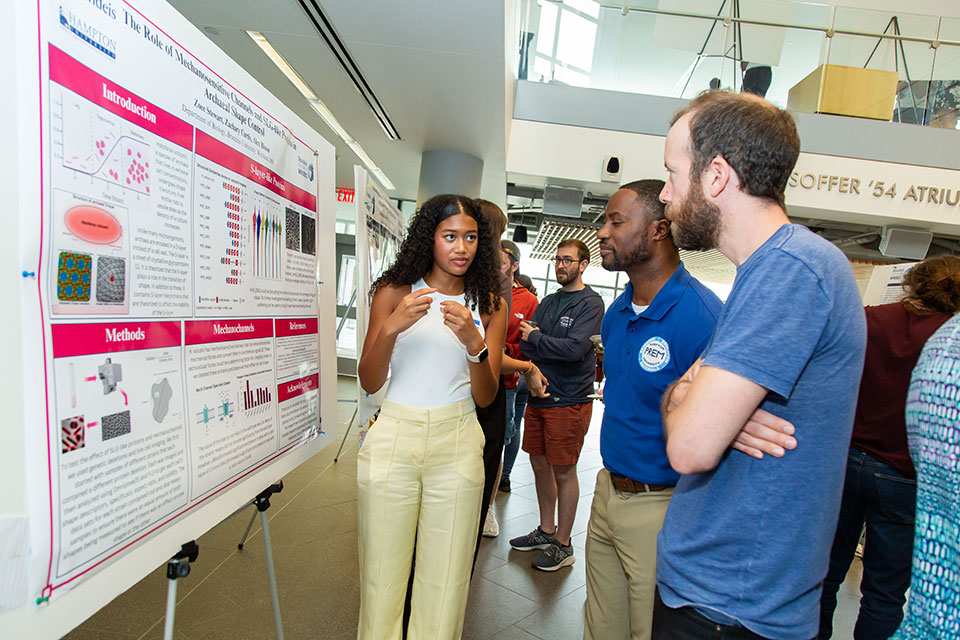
(846, 91)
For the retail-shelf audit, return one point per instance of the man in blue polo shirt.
(652, 334)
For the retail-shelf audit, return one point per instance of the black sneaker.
(554, 557)
(536, 539)
(504, 485)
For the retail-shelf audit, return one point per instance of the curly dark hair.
(481, 282)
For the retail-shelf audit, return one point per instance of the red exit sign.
(345, 195)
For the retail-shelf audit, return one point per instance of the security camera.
(611, 170)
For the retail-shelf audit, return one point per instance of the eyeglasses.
(564, 260)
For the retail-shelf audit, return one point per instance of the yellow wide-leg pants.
(419, 478)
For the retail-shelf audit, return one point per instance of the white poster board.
(177, 353)
(886, 284)
(380, 230)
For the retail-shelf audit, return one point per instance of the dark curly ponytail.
(415, 258)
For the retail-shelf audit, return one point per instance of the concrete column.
(449, 172)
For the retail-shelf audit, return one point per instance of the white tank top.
(429, 365)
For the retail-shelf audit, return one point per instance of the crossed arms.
(709, 410)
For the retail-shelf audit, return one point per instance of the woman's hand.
(411, 308)
(461, 322)
(536, 382)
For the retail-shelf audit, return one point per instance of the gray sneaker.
(554, 557)
(536, 539)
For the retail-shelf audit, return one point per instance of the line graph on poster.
(93, 142)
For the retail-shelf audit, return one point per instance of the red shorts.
(556, 432)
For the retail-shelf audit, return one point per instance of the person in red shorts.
(557, 340)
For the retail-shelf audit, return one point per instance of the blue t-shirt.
(642, 354)
(748, 542)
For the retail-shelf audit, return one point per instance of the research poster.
(380, 230)
(178, 241)
(886, 284)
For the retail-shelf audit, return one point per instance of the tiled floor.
(313, 532)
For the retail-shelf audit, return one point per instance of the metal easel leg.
(270, 572)
(247, 532)
(345, 434)
(177, 567)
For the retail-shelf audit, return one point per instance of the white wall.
(577, 153)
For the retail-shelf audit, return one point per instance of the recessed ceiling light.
(317, 104)
(213, 31)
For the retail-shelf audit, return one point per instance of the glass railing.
(889, 66)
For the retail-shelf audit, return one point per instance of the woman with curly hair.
(438, 324)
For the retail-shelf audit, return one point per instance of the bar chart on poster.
(178, 344)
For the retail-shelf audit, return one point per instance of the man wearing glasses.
(557, 340)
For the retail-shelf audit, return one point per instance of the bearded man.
(746, 539)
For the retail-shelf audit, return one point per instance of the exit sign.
(345, 195)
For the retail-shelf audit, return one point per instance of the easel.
(343, 321)
(179, 565)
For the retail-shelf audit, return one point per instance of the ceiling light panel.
(317, 104)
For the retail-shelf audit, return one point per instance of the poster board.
(886, 284)
(177, 353)
(380, 230)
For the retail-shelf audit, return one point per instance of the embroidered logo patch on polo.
(654, 354)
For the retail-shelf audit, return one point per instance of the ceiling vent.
(339, 51)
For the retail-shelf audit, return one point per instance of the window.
(566, 37)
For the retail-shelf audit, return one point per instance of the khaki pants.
(419, 477)
(622, 561)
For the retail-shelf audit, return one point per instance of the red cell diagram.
(98, 144)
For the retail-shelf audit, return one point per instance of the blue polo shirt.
(642, 354)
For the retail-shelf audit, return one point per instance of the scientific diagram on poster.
(101, 145)
(122, 434)
(176, 244)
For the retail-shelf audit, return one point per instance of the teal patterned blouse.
(933, 429)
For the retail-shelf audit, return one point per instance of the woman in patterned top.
(880, 486)
(933, 430)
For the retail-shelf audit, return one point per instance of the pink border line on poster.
(174, 40)
(206, 331)
(85, 339)
(47, 590)
(229, 158)
(296, 326)
(86, 82)
(292, 445)
(295, 388)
